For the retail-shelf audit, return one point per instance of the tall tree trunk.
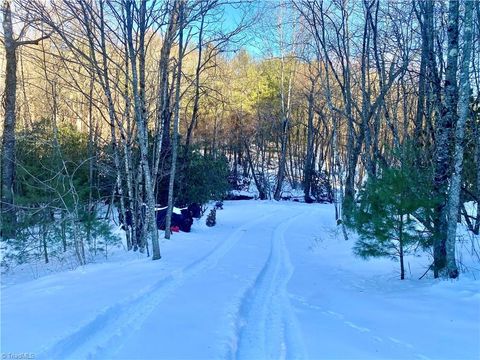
(261, 191)
(103, 76)
(352, 157)
(91, 163)
(8, 216)
(477, 159)
(307, 177)
(163, 97)
(477, 143)
(445, 124)
(138, 87)
(196, 98)
(401, 251)
(285, 99)
(168, 219)
(44, 232)
(126, 136)
(463, 110)
(282, 159)
(365, 86)
(7, 208)
(286, 103)
(422, 79)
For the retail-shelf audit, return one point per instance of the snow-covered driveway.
(270, 281)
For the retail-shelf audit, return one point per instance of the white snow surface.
(273, 280)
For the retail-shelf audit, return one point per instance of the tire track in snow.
(266, 324)
(104, 335)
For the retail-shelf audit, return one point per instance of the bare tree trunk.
(477, 158)
(444, 127)
(138, 87)
(7, 208)
(477, 142)
(196, 99)
(422, 79)
(365, 85)
(261, 191)
(8, 216)
(352, 157)
(401, 250)
(286, 103)
(44, 229)
(91, 161)
(282, 159)
(168, 219)
(307, 177)
(463, 110)
(102, 72)
(163, 99)
(126, 139)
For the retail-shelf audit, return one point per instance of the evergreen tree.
(385, 215)
(203, 179)
(52, 195)
(212, 218)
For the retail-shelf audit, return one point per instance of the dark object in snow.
(128, 218)
(183, 221)
(292, 198)
(195, 210)
(211, 218)
(219, 205)
(231, 196)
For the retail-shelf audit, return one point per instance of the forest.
(113, 108)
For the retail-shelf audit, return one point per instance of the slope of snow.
(271, 280)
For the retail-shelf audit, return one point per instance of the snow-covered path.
(270, 281)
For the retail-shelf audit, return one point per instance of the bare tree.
(463, 112)
(11, 44)
(162, 123)
(138, 88)
(287, 73)
(309, 158)
(168, 220)
(443, 137)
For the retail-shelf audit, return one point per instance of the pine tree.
(211, 218)
(384, 217)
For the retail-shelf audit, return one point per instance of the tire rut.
(102, 335)
(266, 324)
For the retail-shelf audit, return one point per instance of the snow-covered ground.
(270, 281)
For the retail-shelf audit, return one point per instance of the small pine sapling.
(384, 216)
(211, 218)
